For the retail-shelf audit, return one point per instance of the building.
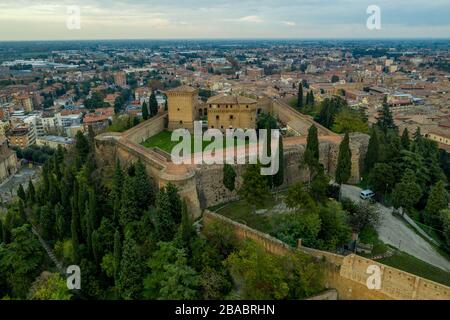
(55, 141)
(22, 136)
(254, 72)
(8, 161)
(182, 102)
(120, 79)
(443, 140)
(227, 112)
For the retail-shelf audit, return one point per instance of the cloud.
(253, 19)
(289, 23)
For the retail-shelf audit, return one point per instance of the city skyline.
(134, 19)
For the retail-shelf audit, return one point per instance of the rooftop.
(228, 99)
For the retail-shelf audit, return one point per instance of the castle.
(221, 111)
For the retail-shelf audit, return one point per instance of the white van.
(366, 194)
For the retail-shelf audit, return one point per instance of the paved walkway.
(395, 232)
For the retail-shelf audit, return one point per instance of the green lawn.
(408, 263)
(241, 212)
(163, 141)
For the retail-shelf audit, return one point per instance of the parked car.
(367, 194)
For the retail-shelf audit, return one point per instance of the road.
(395, 232)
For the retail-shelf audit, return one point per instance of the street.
(395, 232)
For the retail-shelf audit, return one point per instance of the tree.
(119, 104)
(229, 177)
(254, 187)
(407, 192)
(145, 114)
(405, 139)
(278, 178)
(117, 255)
(300, 96)
(130, 203)
(319, 185)
(20, 260)
(132, 270)
(445, 218)
(361, 215)
(21, 193)
(373, 152)
(348, 120)
(334, 230)
(261, 273)
(165, 225)
(145, 193)
(153, 105)
(49, 286)
(382, 178)
(344, 164)
(385, 120)
(170, 276)
(311, 155)
(81, 147)
(47, 222)
(334, 78)
(60, 225)
(31, 192)
(437, 201)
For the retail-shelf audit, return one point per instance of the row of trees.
(315, 219)
(150, 110)
(130, 240)
(406, 172)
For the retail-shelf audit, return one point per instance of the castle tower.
(181, 103)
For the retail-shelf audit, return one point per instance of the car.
(367, 194)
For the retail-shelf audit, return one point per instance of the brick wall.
(347, 274)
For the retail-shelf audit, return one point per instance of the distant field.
(162, 141)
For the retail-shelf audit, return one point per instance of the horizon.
(95, 20)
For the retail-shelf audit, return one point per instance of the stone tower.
(181, 102)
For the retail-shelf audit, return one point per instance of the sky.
(221, 19)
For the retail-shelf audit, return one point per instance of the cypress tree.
(96, 246)
(405, 139)
(60, 226)
(129, 208)
(437, 201)
(311, 155)
(21, 193)
(31, 192)
(311, 98)
(300, 96)
(373, 152)
(46, 221)
(153, 105)
(117, 255)
(278, 178)
(132, 269)
(229, 177)
(75, 242)
(385, 120)
(344, 165)
(145, 193)
(164, 222)
(145, 114)
(175, 202)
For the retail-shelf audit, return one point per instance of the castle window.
(221, 127)
(231, 117)
(181, 121)
(217, 117)
(247, 106)
(178, 109)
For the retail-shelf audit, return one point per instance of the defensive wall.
(201, 185)
(347, 274)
